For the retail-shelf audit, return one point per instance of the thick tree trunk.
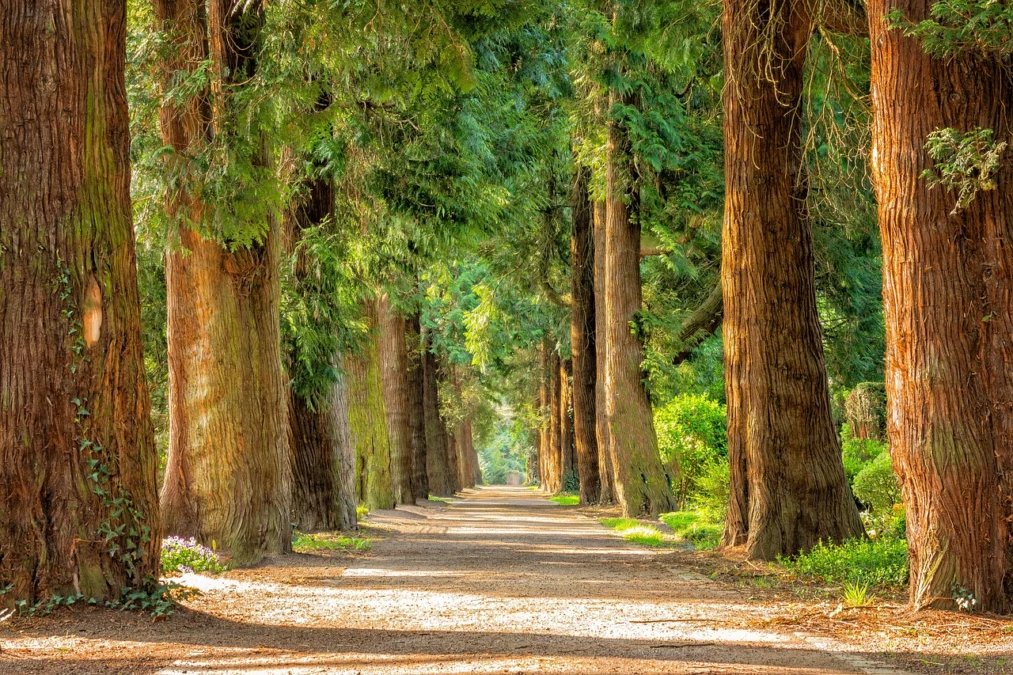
(788, 485)
(367, 416)
(323, 495)
(77, 452)
(641, 486)
(947, 280)
(416, 413)
(605, 463)
(437, 467)
(394, 360)
(582, 334)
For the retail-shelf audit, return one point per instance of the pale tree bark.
(641, 485)
(582, 334)
(947, 302)
(394, 362)
(788, 488)
(73, 399)
(228, 432)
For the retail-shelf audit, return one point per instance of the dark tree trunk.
(641, 485)
(947, 281)
(76, 441)
(440, 482)
(788, 488)
(582, 333)
(228, 411)
(416, 413)
(605, 461)
(394, 360)
(367, 415)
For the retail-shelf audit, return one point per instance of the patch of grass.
(874, 562)
(440, 500)
(566, 500)
(637, 532)
(328, 541)
(695, 527)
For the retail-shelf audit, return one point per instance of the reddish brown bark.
(394, 361)
(75, 430)
(582, 333)
(416, 414)
(641, 485)
(227, 400)
(788, 488)
(605, 465)
(947, 300)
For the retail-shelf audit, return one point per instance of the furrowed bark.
(946, 291)
(416, 413)
(228, 412)
(582, 334)
(368, 419)
(788, 485)
(394, 359)
(606, 466)
(76, 440)
(642, 486)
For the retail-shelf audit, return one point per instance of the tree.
(788, 487)
(77, 453)
(946, 262)
(394, 357)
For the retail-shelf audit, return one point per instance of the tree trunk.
(642, 487)
(582, 320)
(437, 467)
(367, 416)
(76, 441)
(947, 280)
(788, 488)
(416, 414)
(605, 463)
(323, 497)
(394, 359)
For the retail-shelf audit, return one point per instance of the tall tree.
(582, 333)
(641, 485)
(77, 453)
(949, 381)
(788, 487)
(394, 358)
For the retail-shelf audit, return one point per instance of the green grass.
(695, 527)
(872, 562)
(440, 500)
(328, 541)
(637, 532)
(566, 500)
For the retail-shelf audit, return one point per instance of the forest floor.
(500, 580)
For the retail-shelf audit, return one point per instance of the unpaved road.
(501, 581)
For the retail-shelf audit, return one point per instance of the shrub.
(875, 562)
(186, 555)
(691, 435)
(876, 485)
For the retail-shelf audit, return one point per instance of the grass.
(328, 541)
(566, 500)
(637, 532)
(873, 562)
(695, 527)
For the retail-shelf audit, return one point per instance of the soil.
(501, 580)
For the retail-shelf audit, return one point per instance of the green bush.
(876, 562)
(876, 485)
(691, 437)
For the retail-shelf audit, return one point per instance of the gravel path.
(500, 581)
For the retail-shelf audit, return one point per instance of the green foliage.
(965, 162)
(187, 555)
(691, 436)
(875, 562)
(876, 485)
(328, 541)
(566, 500)
(698, 527)
(955, 26)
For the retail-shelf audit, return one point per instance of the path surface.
(502, 581)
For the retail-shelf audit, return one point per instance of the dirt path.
(501, 581)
